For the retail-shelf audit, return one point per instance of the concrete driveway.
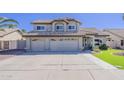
(54, 66)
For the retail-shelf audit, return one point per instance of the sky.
(95, 20)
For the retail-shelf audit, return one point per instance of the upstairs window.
(59, 28)
(122, 42)
(38, 27)
(41, 28)
(72, 28)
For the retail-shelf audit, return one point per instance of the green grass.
(108, 56)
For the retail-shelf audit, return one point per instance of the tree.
(23, 30)
(7, 22)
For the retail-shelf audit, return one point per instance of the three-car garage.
(55, 44)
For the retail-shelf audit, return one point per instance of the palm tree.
(7, 22)
(23, 30)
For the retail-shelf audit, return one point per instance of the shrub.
(103, 47)
(97, 50)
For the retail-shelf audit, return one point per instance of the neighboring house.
(116, 38)
(62, 34)
(11, 39)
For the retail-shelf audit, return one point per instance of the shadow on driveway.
(24, 52)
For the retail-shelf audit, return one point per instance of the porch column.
(93, 41)
(28, 43)
(53, 27)
(47, 43)
(83, 42)
(104, 41)
(80, 43)
(78, 25)
(65, 27)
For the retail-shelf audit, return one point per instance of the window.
(42, 28)
(109, 39)
(97, 44)
(59, 28)
(38, 27)
(6, 44)
(53, 40)
(72, 28)
(122, 42)
(98, 41)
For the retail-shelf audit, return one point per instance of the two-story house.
(62, 34)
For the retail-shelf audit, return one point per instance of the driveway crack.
(91, 75)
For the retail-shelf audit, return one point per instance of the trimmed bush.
(96, 50)
(103, 47)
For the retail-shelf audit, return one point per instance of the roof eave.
(53, 35)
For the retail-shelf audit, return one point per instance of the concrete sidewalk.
(81, 66)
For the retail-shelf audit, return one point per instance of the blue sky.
(98, 20)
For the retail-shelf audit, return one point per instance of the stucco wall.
(16, 41)
(51, 27)
(115, 41)
(12, 36)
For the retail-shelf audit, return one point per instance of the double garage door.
(65, 45)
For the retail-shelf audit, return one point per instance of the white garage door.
(38, 45)
(66, 45)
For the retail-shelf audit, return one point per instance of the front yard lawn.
(109, 57)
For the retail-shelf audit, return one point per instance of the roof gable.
(66, 19)
(117, 32)
(4, 32)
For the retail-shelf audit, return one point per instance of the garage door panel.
(67, 45)
(38, 45)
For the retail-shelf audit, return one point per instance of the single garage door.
(65, 45)
(38, 45)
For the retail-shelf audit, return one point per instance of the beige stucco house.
(11, 39)
(116, 38)
(62, 34)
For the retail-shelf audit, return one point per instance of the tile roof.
(6, 31)
(66, 19)
(116, 31)
(38, 21)
(83, 31)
